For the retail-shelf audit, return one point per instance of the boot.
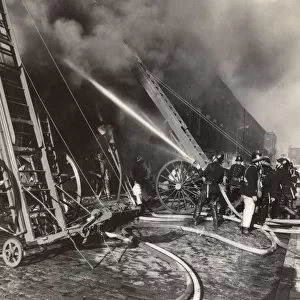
(197, 212)
(245, 231)
(215, 216)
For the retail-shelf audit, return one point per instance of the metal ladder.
(179, 130)
(23, 151)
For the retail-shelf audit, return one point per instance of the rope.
(69, 89)
(201, 115)
(62, 190)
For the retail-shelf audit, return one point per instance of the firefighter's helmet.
(239, 158)
(256, 156)
(267, 159)
(284, 162)
(219, 157)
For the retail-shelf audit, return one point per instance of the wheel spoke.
(176, 171)
(178, 205)
(167, 184)
(188, 197)
(170, 195)
(167, 178)
(188, 191)
(167, 191)
(174, 199)
(185, 204)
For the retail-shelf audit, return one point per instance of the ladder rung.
(24, 150)
(19, 120)
(3, 25)
(5, 51)
(37, 190)
(12, 82)
(21, 100)
(17, 103)
(5, 40)
(23, 133)
(33, 171)
(12, 85)
(41, 211)
(7, 67)
(7, 208)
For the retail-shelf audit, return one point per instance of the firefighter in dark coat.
(235, 179)
(250, 191)
(214, 175)
(282, 190)
(141, 174)
(264, 202)
(295, 178)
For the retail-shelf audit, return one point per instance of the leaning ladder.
(179, 130)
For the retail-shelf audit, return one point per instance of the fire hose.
(270, 233)
(206, 233)
(193, 286)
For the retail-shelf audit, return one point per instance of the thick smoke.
(252, 44)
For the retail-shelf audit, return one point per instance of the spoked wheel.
(12, 252)
(69, 182)
(178, 186)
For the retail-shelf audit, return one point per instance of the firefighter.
(250, 191)
(103, 173)
(282, 190)
(295, 177)
(264, 202)
(214, 175)
(141, 174)
(235, 178)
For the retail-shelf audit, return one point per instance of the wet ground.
(225, 272)
(132, 273)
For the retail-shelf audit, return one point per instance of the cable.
(201, 114)
(69, 89)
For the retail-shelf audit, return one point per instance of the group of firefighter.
(266, 191)
(261, 190)
(140, 174)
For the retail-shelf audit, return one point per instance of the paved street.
(225, 272)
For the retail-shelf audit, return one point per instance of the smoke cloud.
(254, 45)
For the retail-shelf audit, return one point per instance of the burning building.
(219, 104)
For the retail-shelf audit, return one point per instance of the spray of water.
(128, 110)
